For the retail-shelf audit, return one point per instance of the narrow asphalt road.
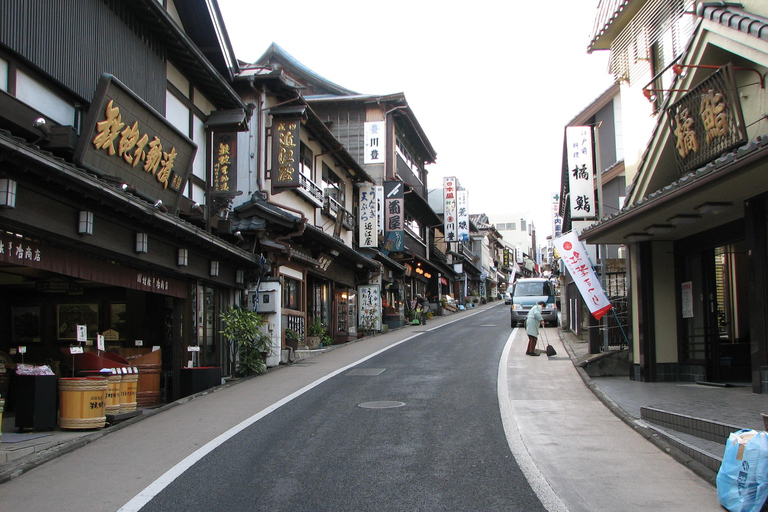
(414, 428)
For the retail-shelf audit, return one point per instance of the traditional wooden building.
(694, 219)
(383, 135)
(300, 213)
(114, 207)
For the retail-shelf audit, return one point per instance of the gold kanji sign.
(127, 139)
(707, 121)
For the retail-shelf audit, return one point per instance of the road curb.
(636, 424)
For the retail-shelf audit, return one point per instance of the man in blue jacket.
(532, 322)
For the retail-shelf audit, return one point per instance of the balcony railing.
(348, 219)
(333, 209)
(436, 254)
(310, 191)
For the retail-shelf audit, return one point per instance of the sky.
(492, 84)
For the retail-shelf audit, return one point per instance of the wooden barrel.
(128, 385)
(149, 365)
(148, 392)
(113, 394)
(81, 402)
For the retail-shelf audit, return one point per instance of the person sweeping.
(532, 323)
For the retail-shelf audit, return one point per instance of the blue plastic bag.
(742, 482)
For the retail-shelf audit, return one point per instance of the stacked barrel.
(84, 402)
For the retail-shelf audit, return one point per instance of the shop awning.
(702, 199)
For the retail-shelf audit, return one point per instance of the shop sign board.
(707, 121)
(125, 138)
(394, 216)
(368, 213)
(581, 171)
(380, 208)
(224, 162)
(369, 308)
(375, 143)
(19, 250)
(450, 223)
(286, 137)
(462, 216)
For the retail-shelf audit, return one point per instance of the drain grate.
(383, 404)
(366, 372)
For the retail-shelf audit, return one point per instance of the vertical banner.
(368, 211)
(394, 216)
(380, 209)
(225, 162)
(574, 256)
(369, 308)
(286, 137)
(557, 220)
(375, 143)
(462, 216)
(449, 209)
(581, 171)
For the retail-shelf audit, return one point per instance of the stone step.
(701, 439)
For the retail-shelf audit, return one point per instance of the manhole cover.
(384, 404)
(368, 372)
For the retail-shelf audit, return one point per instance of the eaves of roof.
(267, 211)
(399, 107)
(324, 136)
(419, 208)
(688, 184)
(733, 16)
(387, 261)
(334, 243)
(595, 106)
(186, 55)
(88, 183)
(300, 69)
(611, 17)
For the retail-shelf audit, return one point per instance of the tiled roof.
(608, 12)
(734, 17)
(758, 146)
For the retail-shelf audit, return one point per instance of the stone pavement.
(576, 453)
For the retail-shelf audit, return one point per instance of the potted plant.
(292, 339)
(251, 345)
(315, 333)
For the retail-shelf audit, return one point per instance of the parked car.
(507, 297)
(529, 291)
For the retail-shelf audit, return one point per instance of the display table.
(195, 380)
(35, 401)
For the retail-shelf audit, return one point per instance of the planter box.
(195, 380)
(36, 401)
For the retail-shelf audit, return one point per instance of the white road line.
(536, 480)
(153, 489)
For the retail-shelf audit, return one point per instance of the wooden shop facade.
(111, 214)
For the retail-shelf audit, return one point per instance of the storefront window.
(291, 293)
